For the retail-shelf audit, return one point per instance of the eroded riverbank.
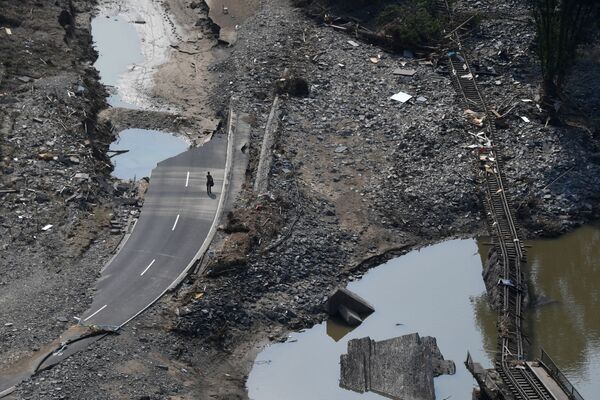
(433, 291)
(438, 291)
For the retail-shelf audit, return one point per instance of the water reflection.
(337, 329)
(486, 320)
(568, 270)
(146, 149)
(565, 273)
(433, 292)
(439, 292)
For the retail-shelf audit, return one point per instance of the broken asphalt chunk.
(350, 306)
(401, 368)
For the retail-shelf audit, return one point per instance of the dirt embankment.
(356, 178)
(56, 197)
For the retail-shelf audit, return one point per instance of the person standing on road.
(209, 183)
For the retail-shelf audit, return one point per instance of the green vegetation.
(412, 24)
(399, 23)
(561, 26)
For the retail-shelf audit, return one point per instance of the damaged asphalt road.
(176, 217)
(165, 242)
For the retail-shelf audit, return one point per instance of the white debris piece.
(401, 97)
(47, 227)
(525, 119)
(352, 43)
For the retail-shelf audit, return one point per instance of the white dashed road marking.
(175, 224)
(187, 179)
(148, 267)
(101, 308)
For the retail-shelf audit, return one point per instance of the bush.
(403, 23)
(412, 24)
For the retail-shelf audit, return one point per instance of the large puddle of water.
(146, 149)
(434, 291)
(438, 291)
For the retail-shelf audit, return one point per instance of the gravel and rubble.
(386, 174)
(351, 173)
(553, 171)
(57, 200)
(356, 178)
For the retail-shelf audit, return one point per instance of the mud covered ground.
(356, 178)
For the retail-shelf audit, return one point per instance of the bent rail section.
(519, 381)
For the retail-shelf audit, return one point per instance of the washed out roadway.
(175, 220)
(174, 223)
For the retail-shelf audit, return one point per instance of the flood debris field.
(356, 178)
(56, 198)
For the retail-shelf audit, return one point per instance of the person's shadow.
(212, 196)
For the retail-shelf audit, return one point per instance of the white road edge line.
(187, 179)
(148, 267)
(100, 309)
(175, 224)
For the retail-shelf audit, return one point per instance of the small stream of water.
(439, 291)
(119, 49)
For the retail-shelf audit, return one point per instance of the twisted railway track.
(519, 381)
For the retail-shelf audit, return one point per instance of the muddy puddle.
(228, 14)
(130, 45)
(438, 291)
(146, 149)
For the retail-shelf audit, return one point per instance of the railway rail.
(520, 381)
